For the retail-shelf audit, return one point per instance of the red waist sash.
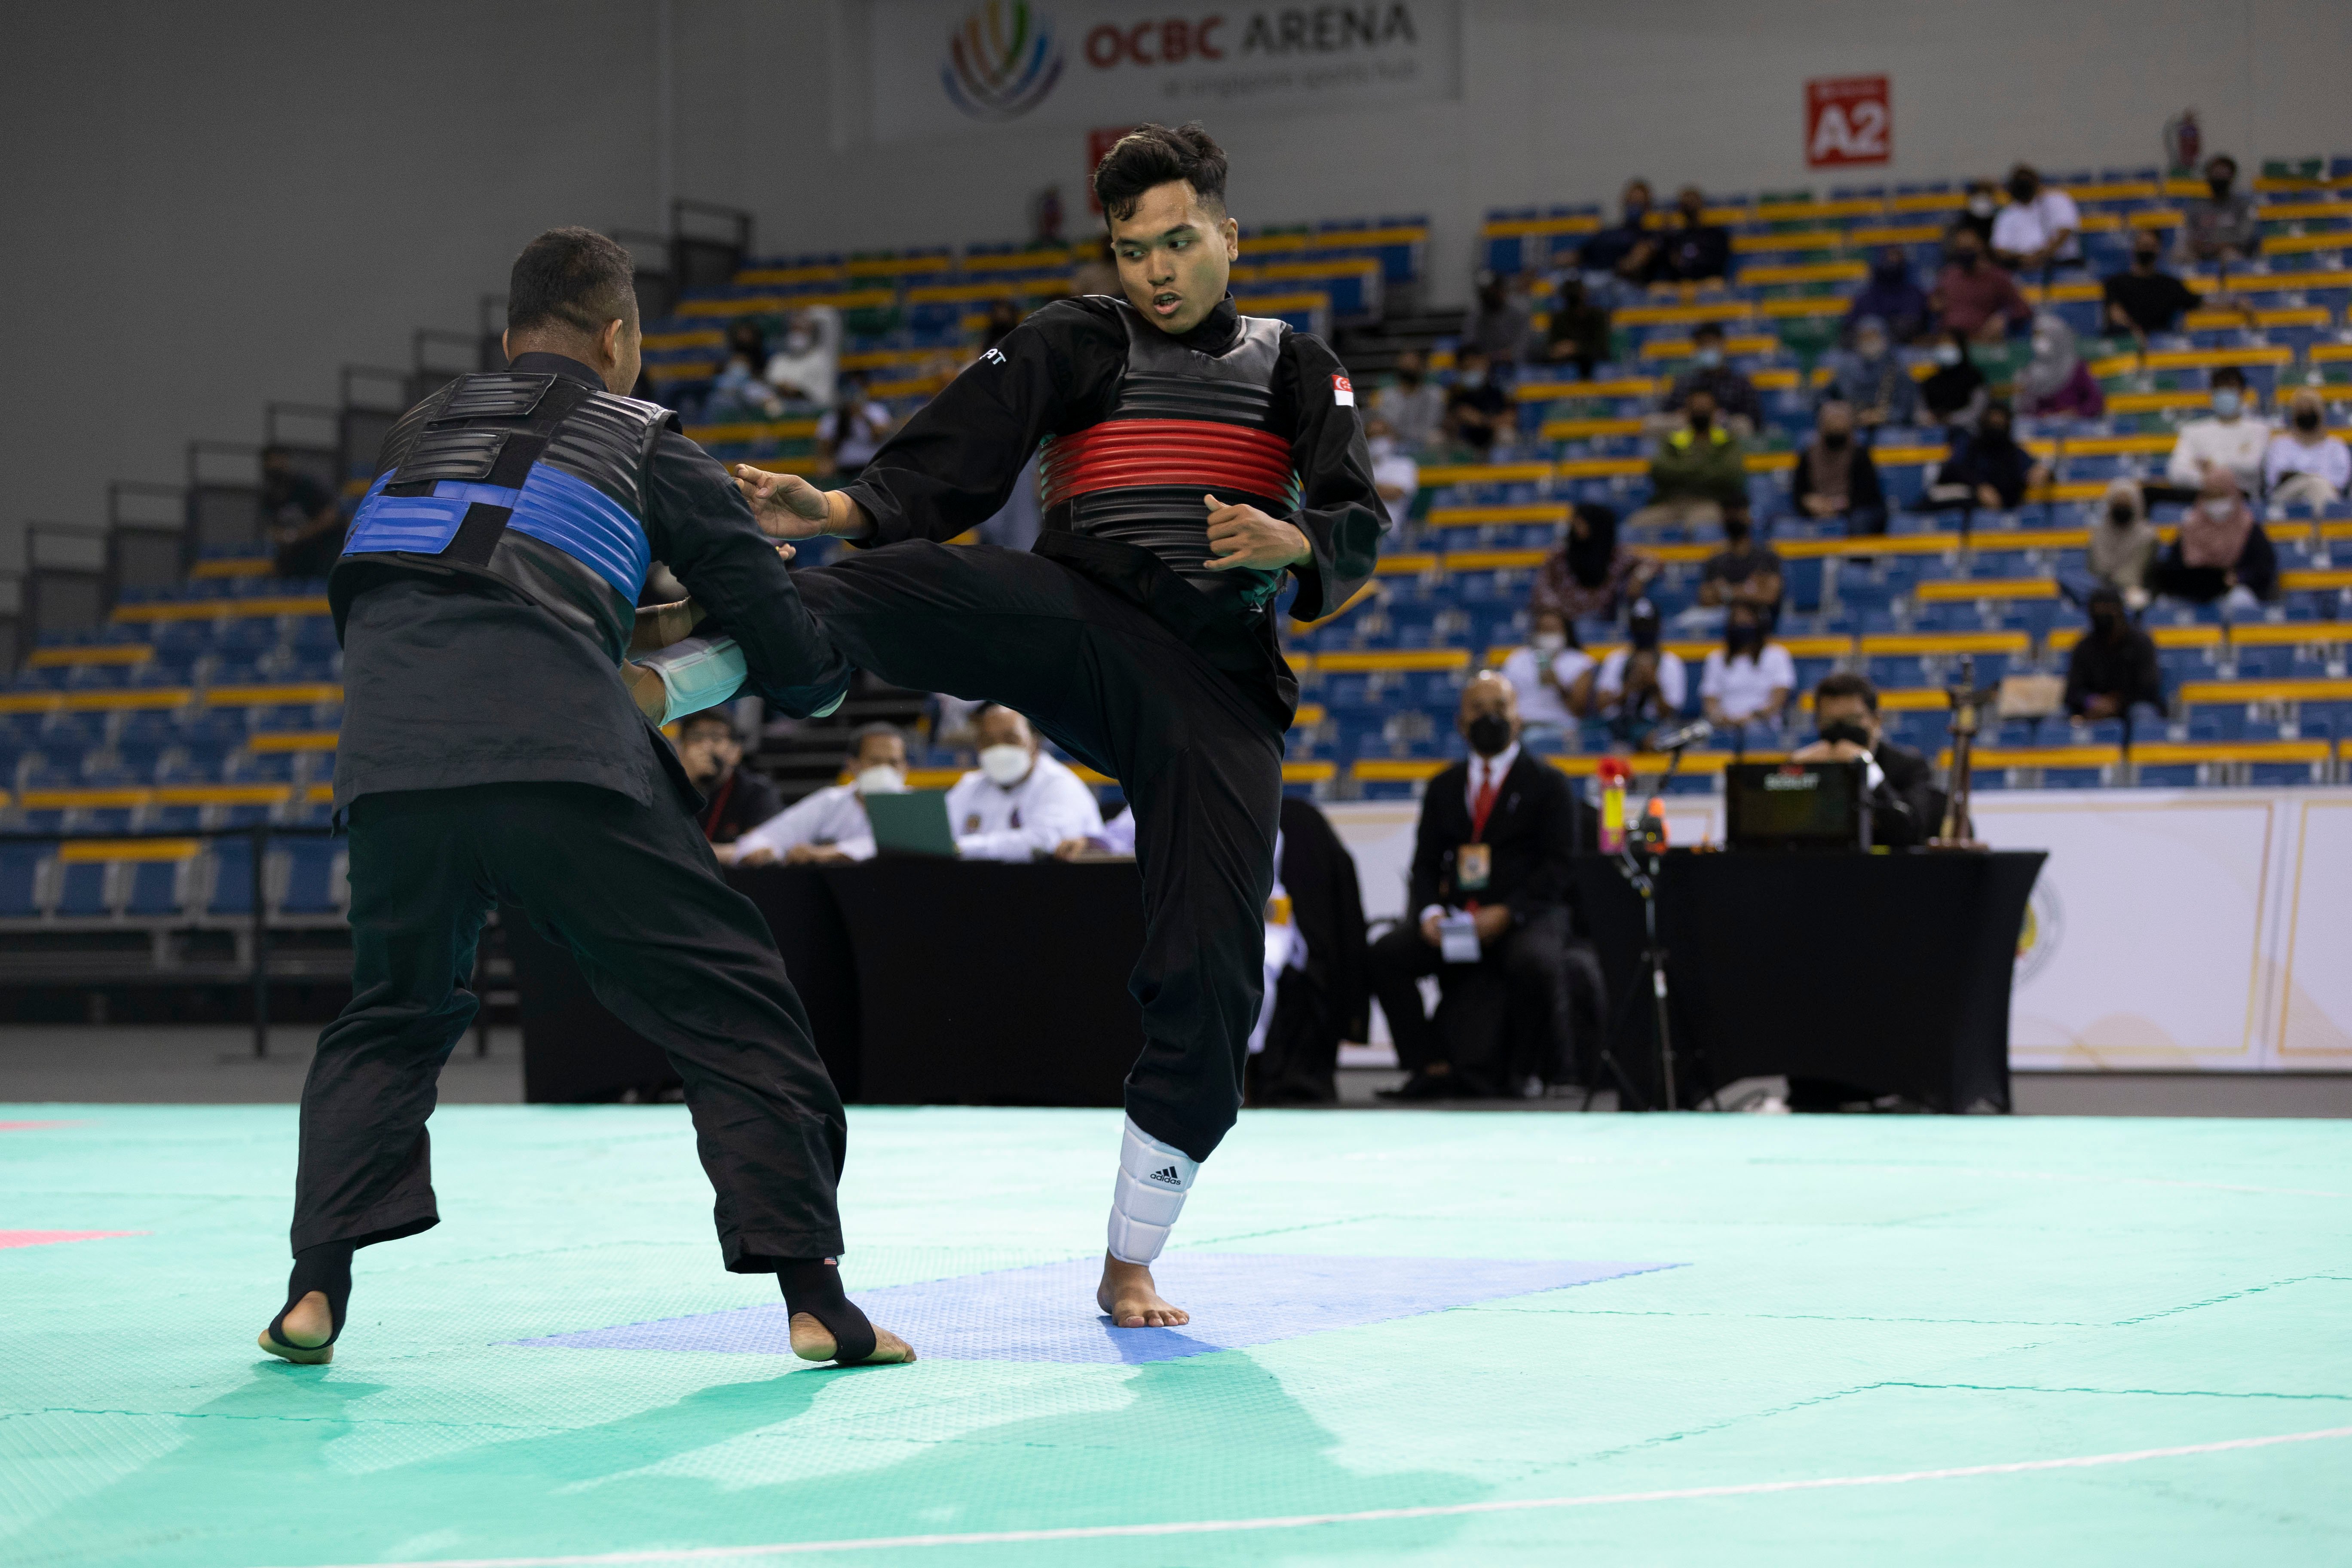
(1122, 453)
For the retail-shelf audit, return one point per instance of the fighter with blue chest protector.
(491, 753)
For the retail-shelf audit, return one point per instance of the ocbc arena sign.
(1268, 35)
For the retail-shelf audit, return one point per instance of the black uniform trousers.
(1496, 1049)
(1201, 764)
(635, 894)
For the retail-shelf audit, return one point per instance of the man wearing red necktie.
(1496, 833)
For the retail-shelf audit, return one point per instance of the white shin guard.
(1152, 1181)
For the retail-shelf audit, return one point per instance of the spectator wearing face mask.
(1871, 379)
(1697, 473)
(1989, 469)
(2113, 669)
(1414, 406)
(1975, 297)
(1742, 572)
(1642, 685)
(830, 824)
(1711, 370)
(1954, 394)
(1395, 476)
(1624, 249)
(1904, 808)
(2224, 224)
(1892, 297)
(2037, 229)
(1835, 477)
(735, 800)
(1588, 573)
(2304, 464)
(2232, 438)
(850, 434)
(1578, 332)
(807, 361)
(1692, 250)
(2221, 552)
(2122, 547)
(1499, 324)
(1979, 208)
(1745, 684)
(2146, 299)
(2055, 381)
(1019, 803)
(1552, 676)
(1477, 409)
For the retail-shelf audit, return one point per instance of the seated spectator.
(1098, 273)
(1975, 298)
(1980, 208)
(1396, 478)
(1903, 805)
(2113, 668)
(1892, 296)
(850, 434)
(300, 517)
(735, 800)
(1710, 371)
(2146, 299)
(1697, 473)
(807, 358)
(740, 389)
(2123, 545)
(1588, 573)
(1626, 248)
(1019, 803)
(2304, 464)
(2037, 230)
(1989, 469)
(1642, 685)
(1551, 675)
(1836, 476)
(1693, 250)
(1499, 323)
(1745, 684)
(2223, 225)
(1477, 409)
(1578, 330)
(2233, 438)
(1496, 838)
(2221, 552)
(1414, 406)
(2055, 380)
(1871, 379)
(1743, 572)
(1955, 393)
(830, 825)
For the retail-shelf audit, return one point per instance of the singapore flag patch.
(1343, 392)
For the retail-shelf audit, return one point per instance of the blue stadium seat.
(311, 877)
(20, 877)
(82, 890)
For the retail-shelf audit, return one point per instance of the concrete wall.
(212, 207)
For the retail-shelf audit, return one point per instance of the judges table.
(925, 982)
(1887, 972)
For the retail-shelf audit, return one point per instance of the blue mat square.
(1046, 1312)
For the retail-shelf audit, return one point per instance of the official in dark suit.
(1496, 837)
(1906, 806)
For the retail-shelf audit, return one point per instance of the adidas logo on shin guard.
(1166, 1174)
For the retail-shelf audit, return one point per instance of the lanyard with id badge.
(1474, 869)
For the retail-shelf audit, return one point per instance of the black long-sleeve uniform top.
(953, 465)
(1532, 829)
(450, 679)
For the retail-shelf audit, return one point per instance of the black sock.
(326, 1267)
(813, 1286)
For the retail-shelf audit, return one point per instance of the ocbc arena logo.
(1002, 60)
(1269, 35)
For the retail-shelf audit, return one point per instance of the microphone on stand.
(1676, 740)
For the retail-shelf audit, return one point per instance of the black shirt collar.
(564, 366)
(1217, 329)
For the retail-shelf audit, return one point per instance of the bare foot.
(310, 1324)
(1129, 1296)
(811, 1340)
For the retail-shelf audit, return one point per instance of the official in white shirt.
(1019, 803)
(2235, 438)
(2039, 225)
(830, 824)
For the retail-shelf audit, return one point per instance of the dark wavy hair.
(1152, 155)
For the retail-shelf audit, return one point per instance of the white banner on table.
(950, 68)
(2207, 930)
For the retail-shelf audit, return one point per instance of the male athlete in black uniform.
(490, 751)
(1193, 457)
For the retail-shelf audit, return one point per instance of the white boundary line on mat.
(1377, 1515)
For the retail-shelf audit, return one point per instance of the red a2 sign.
(1847, 120)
